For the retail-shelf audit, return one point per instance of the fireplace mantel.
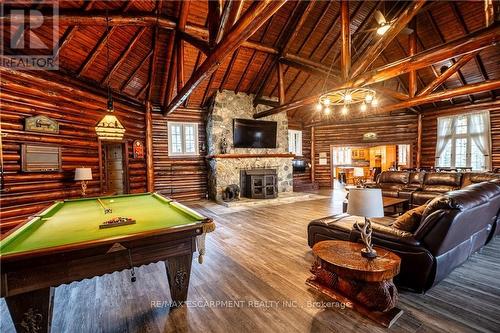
(276, 155)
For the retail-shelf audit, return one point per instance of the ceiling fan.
(383, 25)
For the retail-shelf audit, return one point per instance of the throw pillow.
(410, 220)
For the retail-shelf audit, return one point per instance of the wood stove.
(259, 183)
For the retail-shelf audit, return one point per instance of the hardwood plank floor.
(253, 281)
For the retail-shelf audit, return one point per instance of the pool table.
(65, 243)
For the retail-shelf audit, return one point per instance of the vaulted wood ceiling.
(305, 36)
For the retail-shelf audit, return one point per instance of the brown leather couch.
(453, 226)
(420, 187)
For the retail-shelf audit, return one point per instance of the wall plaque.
(41, 124)
(138, 149)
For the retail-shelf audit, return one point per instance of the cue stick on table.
(106, 210)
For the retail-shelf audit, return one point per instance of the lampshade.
(359, 172)
(83, 174)
(110, 128)
(366, 202)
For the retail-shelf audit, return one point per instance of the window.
(182, 138)
(404, 155)
(342, 156)
(464, 141)
(295, 142)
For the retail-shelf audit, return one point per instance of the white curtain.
(480, 133)
(444, 131)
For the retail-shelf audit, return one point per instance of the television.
(248, 133)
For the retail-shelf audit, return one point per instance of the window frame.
(183, 126)
(298, 151)
(454, 137)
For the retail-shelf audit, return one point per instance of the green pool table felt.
(77, 221)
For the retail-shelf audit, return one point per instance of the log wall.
(429, 134)
(25, 193)
(390, 130)
(182, 178)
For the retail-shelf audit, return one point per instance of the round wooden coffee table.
(366, 285)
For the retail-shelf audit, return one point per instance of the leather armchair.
(453, 226)
(391, 182)
(415, 181)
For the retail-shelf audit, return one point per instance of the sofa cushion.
(416, 178)
(451, 179)
(410, 220)
(398, 177)
(477, 177)
(421, 197)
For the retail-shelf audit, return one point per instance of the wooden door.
(115, 174)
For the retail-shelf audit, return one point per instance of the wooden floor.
(253, 281)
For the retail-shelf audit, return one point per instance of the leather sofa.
(453, 226)
(420, 187)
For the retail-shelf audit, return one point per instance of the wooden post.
(281, 84)
(419, 141)
(149, 148)
(412, 48)
(313, 153)
(345, 60)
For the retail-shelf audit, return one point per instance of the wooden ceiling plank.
(247, 25)
(121, 59)
(305, 14)
(477, 57)
(136, 71)
(196, 64)
(169, 60)
(446, 74)
(207, 89)
(435, 28)
(229, 69)
(199, 43)
(254, 53)
(100, 45)
(345, 59)
(153, 66)
(374, 51)
(71, 31)
(475, 41)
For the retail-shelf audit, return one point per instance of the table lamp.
(366, 202)
(83, 174)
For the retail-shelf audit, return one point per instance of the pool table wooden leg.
(31, 311)
(178, 272)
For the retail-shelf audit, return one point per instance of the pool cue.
(2, 179)
(106, 210)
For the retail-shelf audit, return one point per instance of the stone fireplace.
(226, 169)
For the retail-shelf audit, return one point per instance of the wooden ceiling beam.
(281, 85)
(94, 53)
(233, 15)
(153, 68)
(442, 95)
(473, 42)
(170, 55)
(247, 25)
(345, 58)
(374, 51)
(196, 64)
(214, 21)
(412, 50)
(446, 74)
(123, 56)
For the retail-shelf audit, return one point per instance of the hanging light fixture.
(109, 128)
(345, 97)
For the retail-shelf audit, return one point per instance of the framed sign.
(41, 124)
(37, 158)
(138, 149)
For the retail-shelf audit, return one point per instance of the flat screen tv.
(250, 133)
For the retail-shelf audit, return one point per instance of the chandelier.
(347, 98)
(109, 128)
